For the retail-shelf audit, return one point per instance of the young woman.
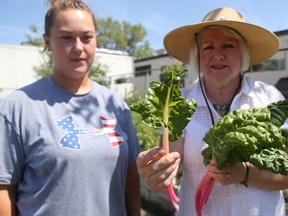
(67, 144)
(221, 48)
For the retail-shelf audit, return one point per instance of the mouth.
(78, 60)
(219, 67)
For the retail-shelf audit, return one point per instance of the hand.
(157, 169)
(228, 175)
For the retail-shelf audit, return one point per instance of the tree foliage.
(148, 137)
(98, 73)
(111, 34)
(33, 37)
(168, 68)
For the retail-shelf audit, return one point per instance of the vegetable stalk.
(164, 106)
(203, 191)
(165, 143)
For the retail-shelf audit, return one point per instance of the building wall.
(18, 62)
(119, 67)
(16, 65)
(142, 82)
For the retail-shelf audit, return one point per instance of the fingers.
(164, 177)
(228, 175)
(157, 169)
(146, 157)
(220, 176)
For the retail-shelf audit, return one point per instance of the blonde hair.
(60, 5)
(194, 61)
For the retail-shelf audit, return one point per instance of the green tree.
(98, 73)
(173, 67)
(148, 137)
(111, 34)
(33, 37)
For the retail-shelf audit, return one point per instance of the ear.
(46, 41)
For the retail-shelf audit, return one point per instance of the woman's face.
(72, 42)
(220, 58)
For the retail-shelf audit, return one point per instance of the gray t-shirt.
(68, 153)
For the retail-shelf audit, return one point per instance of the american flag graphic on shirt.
(71, 138)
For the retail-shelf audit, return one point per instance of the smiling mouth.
(218, 66)
(78, 60)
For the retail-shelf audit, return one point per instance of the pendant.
(221, 108)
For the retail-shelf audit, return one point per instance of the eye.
(87, 38)
(207, 48)
(229, 45)
(66, 37)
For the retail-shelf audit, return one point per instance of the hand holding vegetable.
(164, 106)
(236, 173)
(161, 172)
(250, 135)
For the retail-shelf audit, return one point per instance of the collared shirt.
(234, 199)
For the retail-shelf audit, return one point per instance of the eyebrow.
(71, 32)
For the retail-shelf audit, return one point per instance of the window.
(122, 80)
(270, 65)
(143, 70)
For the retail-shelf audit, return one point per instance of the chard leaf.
(278, 112)
(252, 135)
(164, 105)
(274, 160)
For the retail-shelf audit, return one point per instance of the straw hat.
(262, 43)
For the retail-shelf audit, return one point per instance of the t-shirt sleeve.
(11, 154)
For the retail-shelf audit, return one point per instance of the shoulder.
(260, 87)
(31, 89)
(24, 95)
(261, 92)
(109, 96)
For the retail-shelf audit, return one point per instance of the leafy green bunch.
(251, 135)
(164, 105)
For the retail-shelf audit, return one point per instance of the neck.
(222, 98)
(223, 95)
(75, 86)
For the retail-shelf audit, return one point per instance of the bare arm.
(267, 180)
(8, 197)
(132, 195)
(257, 178)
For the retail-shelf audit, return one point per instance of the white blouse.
(233, 199)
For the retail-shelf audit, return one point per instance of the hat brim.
(262, 43)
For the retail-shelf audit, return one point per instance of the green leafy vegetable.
(251, 135)
(164, 106)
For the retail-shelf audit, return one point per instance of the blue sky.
(157, 16)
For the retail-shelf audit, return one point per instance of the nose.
(78, 45)
(218, 54)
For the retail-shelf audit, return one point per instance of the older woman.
(220, 48)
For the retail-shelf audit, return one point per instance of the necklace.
(225, 108)
(221, 108)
